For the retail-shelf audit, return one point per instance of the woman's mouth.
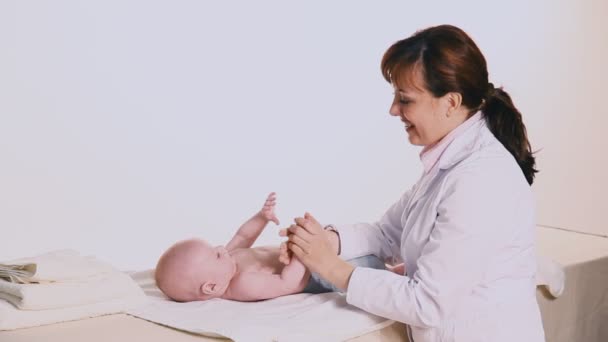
(408, 125)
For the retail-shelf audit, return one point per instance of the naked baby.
(193, 270)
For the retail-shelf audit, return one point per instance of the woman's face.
(423, 114)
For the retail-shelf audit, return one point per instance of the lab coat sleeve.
(468, 228)
(382, 238)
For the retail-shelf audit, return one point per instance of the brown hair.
(449, 61)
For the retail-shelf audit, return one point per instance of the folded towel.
(13, 318)
(21, 274)
(551, 275)
(66, 294)
(63, 279)
(56, 266)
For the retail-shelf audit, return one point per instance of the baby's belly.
(259, 259)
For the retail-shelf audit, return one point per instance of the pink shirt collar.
(431, 154)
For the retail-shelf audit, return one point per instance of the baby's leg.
(316, 284)
(369, 261)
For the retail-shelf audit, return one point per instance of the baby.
(194, 270)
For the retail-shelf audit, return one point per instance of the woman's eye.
(403, 101)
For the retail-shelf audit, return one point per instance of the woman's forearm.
(338, 272)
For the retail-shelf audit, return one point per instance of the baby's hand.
(268, 210)
(285, 254)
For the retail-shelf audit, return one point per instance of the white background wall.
(127, 125)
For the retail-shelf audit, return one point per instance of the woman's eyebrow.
(403, 92)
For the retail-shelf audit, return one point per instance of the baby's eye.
(218, 255)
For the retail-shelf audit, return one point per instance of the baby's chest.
(259, 260)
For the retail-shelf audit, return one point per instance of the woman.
(466, 230)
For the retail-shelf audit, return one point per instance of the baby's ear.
(208, 288)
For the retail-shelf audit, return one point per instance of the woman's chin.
(414, 139)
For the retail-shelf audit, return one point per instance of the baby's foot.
(399, 269)
(268, 209)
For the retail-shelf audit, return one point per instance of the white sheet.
(301, 317)
(306, 317)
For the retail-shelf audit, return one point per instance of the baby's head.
(194, 270)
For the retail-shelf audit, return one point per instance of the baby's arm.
(251, 230)
(252, 286)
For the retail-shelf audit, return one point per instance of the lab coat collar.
(431, 155)
(473, 139)
(466, 143)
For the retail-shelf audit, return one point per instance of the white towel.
(13, 318)
(73, 287)
(300, 317)
(66, 294)
(63, 265)
(68, 279)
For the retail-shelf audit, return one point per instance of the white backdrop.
(127, 125)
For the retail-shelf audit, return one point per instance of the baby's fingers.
(284, 254)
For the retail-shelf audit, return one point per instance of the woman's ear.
(453, 102)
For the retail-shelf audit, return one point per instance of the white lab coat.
(466, 232)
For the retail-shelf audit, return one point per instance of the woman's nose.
(394, 110)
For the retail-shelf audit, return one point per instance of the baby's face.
(217, 265)
(214, 264)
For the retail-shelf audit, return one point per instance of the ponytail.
(504, 120)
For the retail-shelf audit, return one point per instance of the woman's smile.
(408, 125)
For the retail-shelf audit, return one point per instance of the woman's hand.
(286, 254)
(313, 247)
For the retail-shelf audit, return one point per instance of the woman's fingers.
(294, 229)
(311, 218)
(289, 230)
(312, 226)
(299, 252)
(298, 241)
